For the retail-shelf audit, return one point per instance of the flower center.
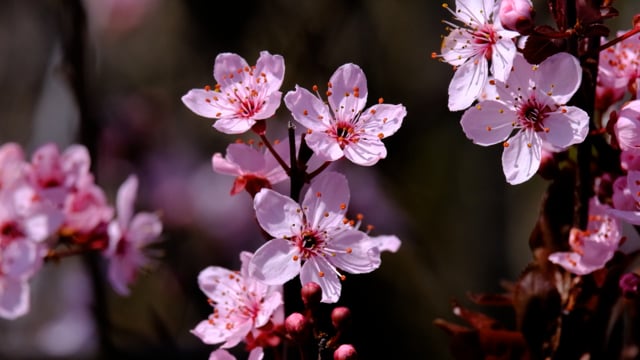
(10, 230)
(344, 133)
(531, 115)
(309, 243)
(485, 37)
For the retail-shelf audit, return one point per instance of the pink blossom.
(593, 247)
(516, 15)
(626, 197)
(86, 208)
(222, 354)
(530, 112)
(343, 128)
(12, 164)
(618, 71)
(253, 168)
(242, 304)
(627, 127)
(19, 260)
(242, 94)
(128, 235)
(311, 239)
(470, 46)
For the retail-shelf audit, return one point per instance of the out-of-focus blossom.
(343, 128)
(618, 71)
(242, 304)
(470, 46)
(530, 112)
(627, 127)
(85, 209)
(12, 164)
(593, 247)
(129, 234)
(222, 354)
(254, 169)
(311, 239)
(242, 95)
(517, 15)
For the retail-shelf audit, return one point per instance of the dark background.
(463, 227)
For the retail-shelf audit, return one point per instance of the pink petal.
(125, 200)
(567, 126)
(354, 253)
(267, 308)
(14, 298)
(273, 263)
(122, 272)
(503, 53)
(327, 200)
(386, 242)
(221, 354)
(273, 68)
(228, 64)
(271, 104)
(247, 157)
(214, 281)
(144, 229)
(224, 166)
(474, 11)
(277, 214)
(21, 259)
(467, 83)
(489, 122)
(308, 110)
(518, 82)
(366, 152)
(572, 263)
(324, 146)
(256, 354)
(560, 75)
(383, 119)
(627, 127)
(202, 103)
(521, 159)
(211, 334)
(319, 271)
(344, 82)
(233, 125)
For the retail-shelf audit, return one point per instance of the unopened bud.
(311, 294)
(345, 352)
(629, 284)
(517, 15)
(341, 317)
(296, 325)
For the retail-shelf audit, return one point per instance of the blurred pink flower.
(627, 127)
(222, 354)
(12, 164)
(313, 232)
(531, 107)
(253, 168)
(343, 128)
(243, 94)
(593, 247)
(618, 71)
(128, 235)
(242, 304)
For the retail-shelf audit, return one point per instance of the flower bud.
(517, 15)
(345, 352)
(629, 284)
(296, 325)
(311, 294)
(340, 317)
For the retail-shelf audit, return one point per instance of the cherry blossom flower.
(626, 197)
(12, 164)
(128, 235)
(242, 95)
(593, 247)
(343, 128)
(470, 46)
(253, 169)
(20, 259)
(242, 304)
(618, 71)
(627, 127)
(311, 239)
(530, 112)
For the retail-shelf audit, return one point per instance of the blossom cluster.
(310, 237)
(51, 207)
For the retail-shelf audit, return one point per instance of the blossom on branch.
(312, 239)
(242, 305)
(243, 94)
(470, 46)
(343, 128)
(593, 247)
(528, 112)
(129, 234)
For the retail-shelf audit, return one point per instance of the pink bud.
(296, 325)
(311, 294)
(345, 352)
(517, 15)
(340, 317)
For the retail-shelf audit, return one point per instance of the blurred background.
(464, 229)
